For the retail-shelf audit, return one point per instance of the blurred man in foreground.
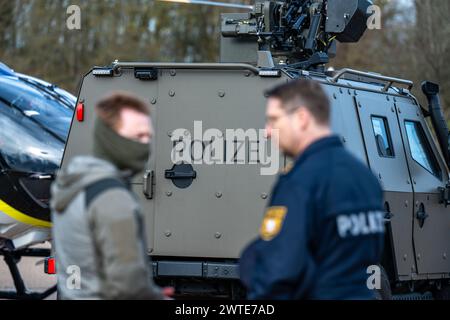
(98, 230)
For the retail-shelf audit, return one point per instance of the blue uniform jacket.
(323, 228)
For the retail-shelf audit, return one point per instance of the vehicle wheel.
(442, 294)
(385, 293)
(238, 291)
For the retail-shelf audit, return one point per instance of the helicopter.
(35, 119)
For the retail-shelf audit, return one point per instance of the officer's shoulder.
(335, 165)
(108, 189)
(345, 162)
(352, 179)
(321, 164)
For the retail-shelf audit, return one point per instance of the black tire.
(385, 293)
(443, 294)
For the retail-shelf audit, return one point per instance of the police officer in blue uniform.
(324, 226)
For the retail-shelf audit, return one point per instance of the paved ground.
(32, 270)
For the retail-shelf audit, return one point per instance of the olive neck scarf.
(124, 153)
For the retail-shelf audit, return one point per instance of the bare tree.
(431, 44)
(414, 41)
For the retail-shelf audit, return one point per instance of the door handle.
(182, 175)
(421, 215)
(173, 175)
(149, 178)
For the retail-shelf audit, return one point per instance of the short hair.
(108, 109)
(306, 93)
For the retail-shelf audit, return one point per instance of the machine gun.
(300, 34)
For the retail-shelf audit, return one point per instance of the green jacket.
(98, 235)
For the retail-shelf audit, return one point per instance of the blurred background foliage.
(414, 42)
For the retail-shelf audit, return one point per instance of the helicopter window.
(37, 105)
(420, 150)
(382, 137)
(28, 141)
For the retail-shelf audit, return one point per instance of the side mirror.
(431, 91)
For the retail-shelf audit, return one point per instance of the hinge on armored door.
(149, 178)
(444, 194)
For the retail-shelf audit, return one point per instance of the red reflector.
(50, 266)
(80, 112)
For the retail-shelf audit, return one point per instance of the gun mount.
(301, 34)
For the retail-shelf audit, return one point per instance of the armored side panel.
(214, 216)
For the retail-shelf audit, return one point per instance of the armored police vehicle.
(199, 216)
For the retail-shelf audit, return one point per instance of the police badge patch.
(272, 223)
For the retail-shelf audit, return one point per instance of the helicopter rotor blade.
(212, 3)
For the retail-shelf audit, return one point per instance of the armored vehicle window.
(382, 137)
(420, 149)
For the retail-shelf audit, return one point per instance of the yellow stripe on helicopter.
(21, 217)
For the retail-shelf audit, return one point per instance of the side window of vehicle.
(382, 137)
(421, 151)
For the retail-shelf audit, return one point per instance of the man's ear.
(303, 117)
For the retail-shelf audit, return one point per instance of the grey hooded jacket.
(98, 236)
